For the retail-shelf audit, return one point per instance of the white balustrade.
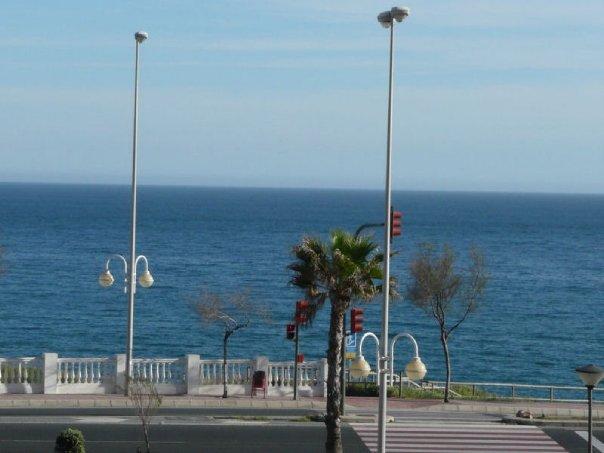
(159, 371)
(238, 371)
(82, 371)
(26, 370)
(105, 375)
(281, 374)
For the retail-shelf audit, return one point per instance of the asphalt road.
(572, 441)
(210, 430)
(224, 438)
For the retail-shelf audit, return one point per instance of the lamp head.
(415, 369)
(387, 17)
(360, 368)
(106, 279)
(140, 36)
(591, 375)
(399, 13)
(146, 279)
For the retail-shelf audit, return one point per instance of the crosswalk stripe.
(450, 438)
(596, 444)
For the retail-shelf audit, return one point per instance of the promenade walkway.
(353, 404)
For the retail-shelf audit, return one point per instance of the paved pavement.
(353, 404)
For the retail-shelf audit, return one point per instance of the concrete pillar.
(120, 373)
(50, 368)
(193, 374)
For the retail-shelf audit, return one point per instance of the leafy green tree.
(445, 292)
(342, 270)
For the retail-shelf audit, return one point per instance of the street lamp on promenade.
(591, 375)
(415, 369)
(387, 19)
(106, 279)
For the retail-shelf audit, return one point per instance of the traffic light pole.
(367, 225)
(296, 352)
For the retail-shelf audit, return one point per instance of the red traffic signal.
(301, 311)
(291, 331)
(301, 306)
(356, 320)
(396, 223)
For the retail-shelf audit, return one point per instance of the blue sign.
(351, 342)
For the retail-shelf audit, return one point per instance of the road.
(262, 430)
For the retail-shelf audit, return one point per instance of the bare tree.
(146, 401)
(444, 292)
(234, 312)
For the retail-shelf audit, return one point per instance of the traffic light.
(302, 311)
(356, 320)
(291, 331)
(396, 223)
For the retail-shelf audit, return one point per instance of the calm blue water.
(541, 317)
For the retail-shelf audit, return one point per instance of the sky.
(489, 95)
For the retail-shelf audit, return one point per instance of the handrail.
(513, 387)
(504, 384)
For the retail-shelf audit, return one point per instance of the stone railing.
(23, 375)
(51, 374)
(281, 378)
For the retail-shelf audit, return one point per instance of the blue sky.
(490, 95)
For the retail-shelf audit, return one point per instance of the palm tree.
(342, 270)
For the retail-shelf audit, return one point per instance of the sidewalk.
(537, 408)
(317, 404)
(185, 401)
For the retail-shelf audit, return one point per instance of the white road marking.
(456, 437)
(595, 442)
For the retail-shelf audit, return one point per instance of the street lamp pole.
(139, 36)
(387, 19)
(591, 375)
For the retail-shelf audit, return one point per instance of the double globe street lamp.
(415, 369)
(146, 280)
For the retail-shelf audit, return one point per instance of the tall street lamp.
(387, 19)
(591, 375)
(106, 279)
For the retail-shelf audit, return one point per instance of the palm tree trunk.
(443, 340)
(334, 353)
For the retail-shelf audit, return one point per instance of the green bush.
(371, 389)
(70, 441)
(367, 389)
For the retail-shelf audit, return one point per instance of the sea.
(541, 315)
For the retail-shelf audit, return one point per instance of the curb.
(549, 422)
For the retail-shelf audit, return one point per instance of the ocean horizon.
(538, 321)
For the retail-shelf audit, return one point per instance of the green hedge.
(371, 389)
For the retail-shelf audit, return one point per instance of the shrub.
(70, 441)
(367, 389)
